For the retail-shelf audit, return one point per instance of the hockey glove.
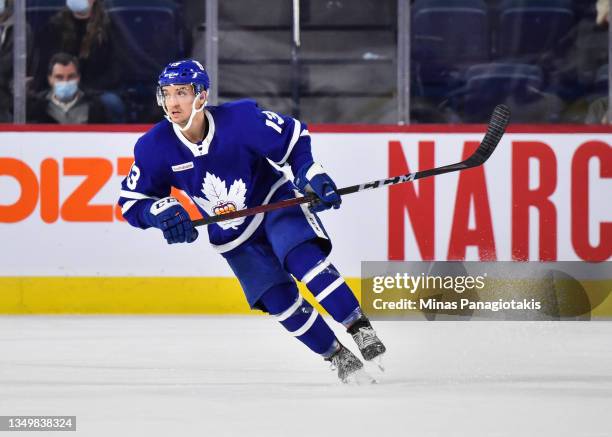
(311, 178)
(169, 215)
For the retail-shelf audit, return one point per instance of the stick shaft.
(409, 177)
(495, 130)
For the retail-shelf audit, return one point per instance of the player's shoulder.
(244, 111)
(154, 138)
(236, 106)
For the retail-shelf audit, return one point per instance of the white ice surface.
(244, 376)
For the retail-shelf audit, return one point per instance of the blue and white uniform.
(229, 170)
(236, 167)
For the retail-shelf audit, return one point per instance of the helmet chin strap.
(194, 111)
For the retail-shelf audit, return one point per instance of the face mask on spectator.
(2, 6)
(65, 90)
(78, 6)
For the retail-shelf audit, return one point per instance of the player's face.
(179, 101)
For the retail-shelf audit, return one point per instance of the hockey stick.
(495, 130)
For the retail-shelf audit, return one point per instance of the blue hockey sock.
(299, 317)
(309, 263)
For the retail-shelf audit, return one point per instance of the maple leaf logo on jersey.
(218, 200)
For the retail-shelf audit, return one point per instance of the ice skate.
(349, 367)
(369, 344)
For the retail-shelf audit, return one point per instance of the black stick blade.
(495, 130)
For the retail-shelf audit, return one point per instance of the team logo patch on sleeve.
(218, 200)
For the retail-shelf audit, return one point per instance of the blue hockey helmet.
(188, 71)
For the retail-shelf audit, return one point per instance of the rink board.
(185, 295)
(66, 249)
(112, 295)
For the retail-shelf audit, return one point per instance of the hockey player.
(221, 157)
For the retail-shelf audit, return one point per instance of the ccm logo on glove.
(169, 215)
(163, 204)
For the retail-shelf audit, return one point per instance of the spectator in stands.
(603, 12)
(598, 112)
(65, 102)
(6, 59)
(83, 29)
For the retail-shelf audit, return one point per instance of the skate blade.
(378, 362)
(359, 377)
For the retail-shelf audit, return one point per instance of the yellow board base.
(146, 295)
(128, 295)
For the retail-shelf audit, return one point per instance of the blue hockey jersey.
(229, 170)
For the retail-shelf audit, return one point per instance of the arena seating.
(149, 29)
(149, 36)
(528, 27)
(457, 47)
(520, 86)
(447, 34)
